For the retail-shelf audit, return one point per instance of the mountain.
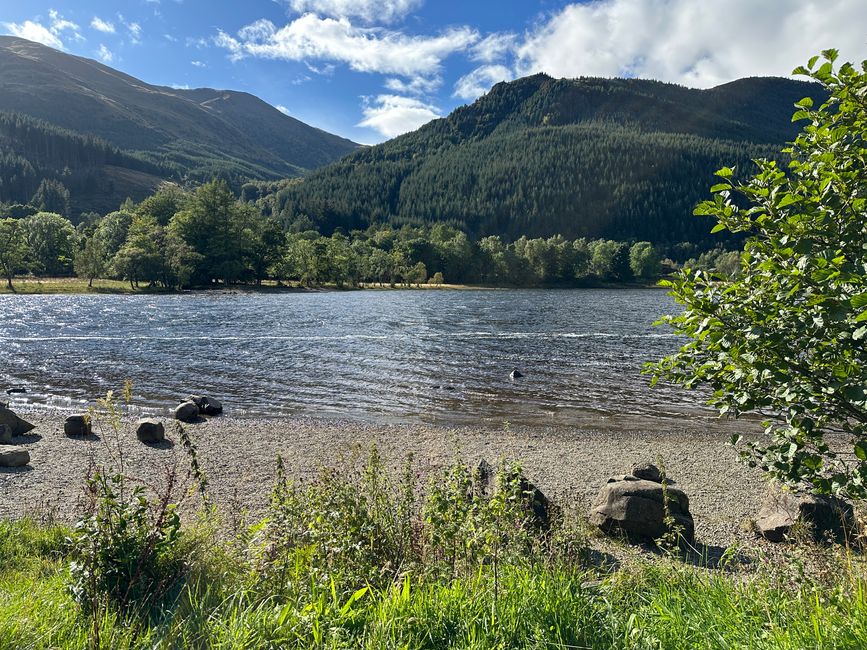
(175, 133)
(617, 158)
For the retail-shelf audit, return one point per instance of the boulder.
(187, 412)
(824, 516)
(538, 503)
(5, 434)
(16, 390)
(77, 425)
(647, 472)
(206, 405)
(14, 457)
(636, 508)
(150, 430)
(19, 427)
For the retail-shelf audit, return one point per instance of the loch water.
(440, 356)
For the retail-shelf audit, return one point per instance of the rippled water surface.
(441, 356)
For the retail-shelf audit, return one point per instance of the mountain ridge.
(539, 156)
(192, 134)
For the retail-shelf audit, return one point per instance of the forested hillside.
(618, 158)
(187, 136)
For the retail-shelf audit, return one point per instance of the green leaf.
(861, 450)
(807, 102)
(858, 301)
(801, 115)
(789, 199)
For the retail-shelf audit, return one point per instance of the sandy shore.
(238, 456)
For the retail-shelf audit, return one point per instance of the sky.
(371, 69)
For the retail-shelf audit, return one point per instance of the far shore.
(239, 455)
(54, 286)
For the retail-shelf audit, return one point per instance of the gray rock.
(635, 508)
(206, 405)
(824, 516)
(150, 430)
(77, 425)
(19, 427)
(647, 472)
(14, 457)
(483, 478)
(187, 412)
(5, 434)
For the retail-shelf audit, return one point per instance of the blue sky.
(371, 69)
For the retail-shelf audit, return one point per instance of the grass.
(657, 604)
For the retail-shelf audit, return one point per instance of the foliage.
(51, 196)
(786, 339)
(50, 243)
(13, 248)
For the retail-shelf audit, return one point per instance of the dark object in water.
(16, 389)
(516, 374)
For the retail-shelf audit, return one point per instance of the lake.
(438, 356)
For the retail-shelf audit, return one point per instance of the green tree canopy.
(13, 248)
(787, 338)
(50, 240)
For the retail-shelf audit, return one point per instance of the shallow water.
(438, 356)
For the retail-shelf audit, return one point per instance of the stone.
(206, 405)
(150, 430)
(824, 516)
(647, 472)
(187, 412)
(483, 478)
(538, 503)
(77, 425)
(16, 390)
(5, 434)
(14, 457)
(19, 427)
(636, 509)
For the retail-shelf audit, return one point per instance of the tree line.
(175, 239)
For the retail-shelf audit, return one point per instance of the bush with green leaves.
(787, 338)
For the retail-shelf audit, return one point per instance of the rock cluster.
(822, 516)
(642, 508)
(196, 405)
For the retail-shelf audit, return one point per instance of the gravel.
(238, 457)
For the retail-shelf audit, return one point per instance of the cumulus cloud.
(392, 115)
(383, 11)
(682, 41)
(480, 80)
(362, 49)
(101, 25)
(198, 64)
(105, 55)
(493, 47)
(415, 85)
(282, 109)
(50, 35)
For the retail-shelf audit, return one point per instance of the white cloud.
(493, 47)
(363, 49)
(105, 54)
(198, 64)
(33, 31)
(392, 115)
(382, 11)
(683, 41)
(282, 109)
(132, 27)
(180, 86)
(101, 25)
(415, 86)
(480, 80)
(51, 35)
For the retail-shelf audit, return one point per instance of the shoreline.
(238, 456)
(30, 286)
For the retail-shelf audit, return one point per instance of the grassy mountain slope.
(620, 158)
(187, 134)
